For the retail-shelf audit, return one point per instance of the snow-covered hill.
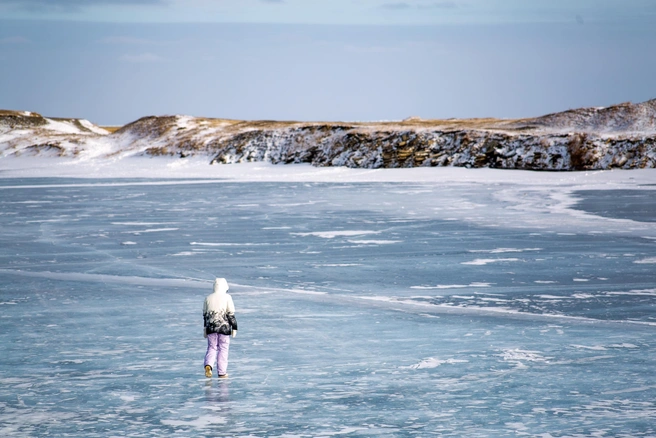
(624, 118)
(620, 136)
(24, 132)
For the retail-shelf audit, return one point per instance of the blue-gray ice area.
(638, 205)
(365, 309)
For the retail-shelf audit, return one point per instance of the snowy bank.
(621, 136)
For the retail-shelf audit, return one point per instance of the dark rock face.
(386, 149)
(21, 120)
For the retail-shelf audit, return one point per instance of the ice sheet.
(392, 331)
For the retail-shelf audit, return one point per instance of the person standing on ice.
(219, 324)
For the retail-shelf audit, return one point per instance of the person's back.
(219, 323)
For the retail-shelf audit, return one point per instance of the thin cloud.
(273, 1)
(431, 5)
(72, 5)
(439, 5)
(127, 40)
(14, 40)
(371, 49)
(142, 58)
(396, 6)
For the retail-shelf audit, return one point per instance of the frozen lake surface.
(475, 306)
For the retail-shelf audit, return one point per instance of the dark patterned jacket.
(222, 323)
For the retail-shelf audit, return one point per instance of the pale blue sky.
(112, 61)
(332, 11)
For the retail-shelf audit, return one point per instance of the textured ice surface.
(365, 309)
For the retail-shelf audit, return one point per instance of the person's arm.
(233, 323)
(204, 312)
(231, 317)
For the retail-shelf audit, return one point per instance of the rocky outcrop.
(21, 119)
(464, 148)
(622, 136)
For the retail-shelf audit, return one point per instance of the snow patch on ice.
(434, 363)
(333, 234)
(518, 356)
(145, 224)
(116, 279)
(630, 390)
(647, 261)
(441, 286)
(593, 347)
(624, 345)
(452, 286)
(227, 244)
(481, 262)
(582, 296)
(128, 397)
(504, 250)
(201, 422)
(636, 292)
(375, 242)
(31, 202)
(151, 230)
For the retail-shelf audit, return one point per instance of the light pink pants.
(217, 352)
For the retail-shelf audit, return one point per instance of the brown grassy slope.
(111, 129)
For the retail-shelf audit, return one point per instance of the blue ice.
(365, 309)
